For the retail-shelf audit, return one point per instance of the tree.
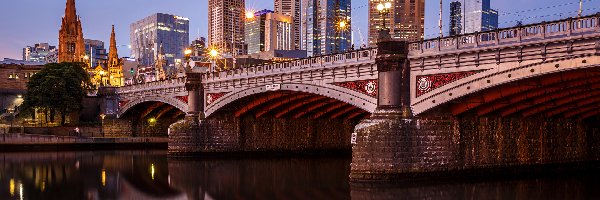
(58, 87)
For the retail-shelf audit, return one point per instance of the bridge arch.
(312, 93)
(178, 104)
(564, 88)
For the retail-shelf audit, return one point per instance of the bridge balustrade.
(299, 64)
(544, 30)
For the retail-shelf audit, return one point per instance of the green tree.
(57, 88)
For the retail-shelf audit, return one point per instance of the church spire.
(71, 11)
(71, 44)
(113, 55)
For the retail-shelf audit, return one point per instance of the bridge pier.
(391, 144)
(185, 136)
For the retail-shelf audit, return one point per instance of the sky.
(27, 22)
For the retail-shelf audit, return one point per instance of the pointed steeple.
(113, 54)
(71, 44)
(70, 11)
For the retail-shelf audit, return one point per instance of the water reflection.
(151, 175)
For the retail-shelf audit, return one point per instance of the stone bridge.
(518, 96)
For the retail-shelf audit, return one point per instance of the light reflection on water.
(151, 175)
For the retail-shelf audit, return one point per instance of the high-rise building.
(70, 38)
(38, 52)
(326, 26)
(199, 49)
(96, 53)
(406, 20)
(478, 16)
(226, 26)
(291, 8)
(455, 18)
(268, 31)
(147, 34)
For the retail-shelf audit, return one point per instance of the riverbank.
(33, 142)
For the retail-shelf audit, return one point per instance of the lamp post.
(102, 116)
(213, 53)
(188, 55)
(102, 77)
(384, 10)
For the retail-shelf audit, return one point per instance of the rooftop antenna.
(441, 9)
(580, 8)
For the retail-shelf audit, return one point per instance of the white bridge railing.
(152, 86)
(299, 64)
(540, 31)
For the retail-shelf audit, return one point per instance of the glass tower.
(479, 17)
(455, 18)
(148, 34)
(322, 29)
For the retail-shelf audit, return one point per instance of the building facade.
(293, 9)
(455, 18)
(406, 20)
(70, 38)
(267, 31)
(478, 16)
(226, 26)
(96, 53)
(147, 34)
(326, 26)
(38, 52)
(199, 49)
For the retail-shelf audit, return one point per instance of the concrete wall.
(437, 142)
(224, 132)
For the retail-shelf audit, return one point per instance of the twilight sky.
(26, 22)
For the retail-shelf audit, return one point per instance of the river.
(151, 175)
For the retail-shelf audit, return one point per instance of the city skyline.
(30, 29)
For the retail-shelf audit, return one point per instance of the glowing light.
(103, 177)
(249, 15)
(19, 96)
(86, 57)
(21, 191)
(152, 171)
(102, 73)
(380, 7)
(388, 5)
(11, 187)
(187, 52)
(152, 120)
(342, 24)
(213, 53)
(43, 186)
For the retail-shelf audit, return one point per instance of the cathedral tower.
(115, 66)
(70, 39)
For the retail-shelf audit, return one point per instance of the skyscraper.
(406, 20)
(455, 18)
(291, 8)
(478, 16)
(38, 52)
(147, 34)
(326, 26)
(70, 38)
(268, 31)
(226, 26)
(96, 53)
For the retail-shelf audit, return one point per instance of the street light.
(188, 55)
(249, 15)
(102, 73)
(384, 10)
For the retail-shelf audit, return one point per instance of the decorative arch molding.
(355, 98)
(498, 76)
(182, 106)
